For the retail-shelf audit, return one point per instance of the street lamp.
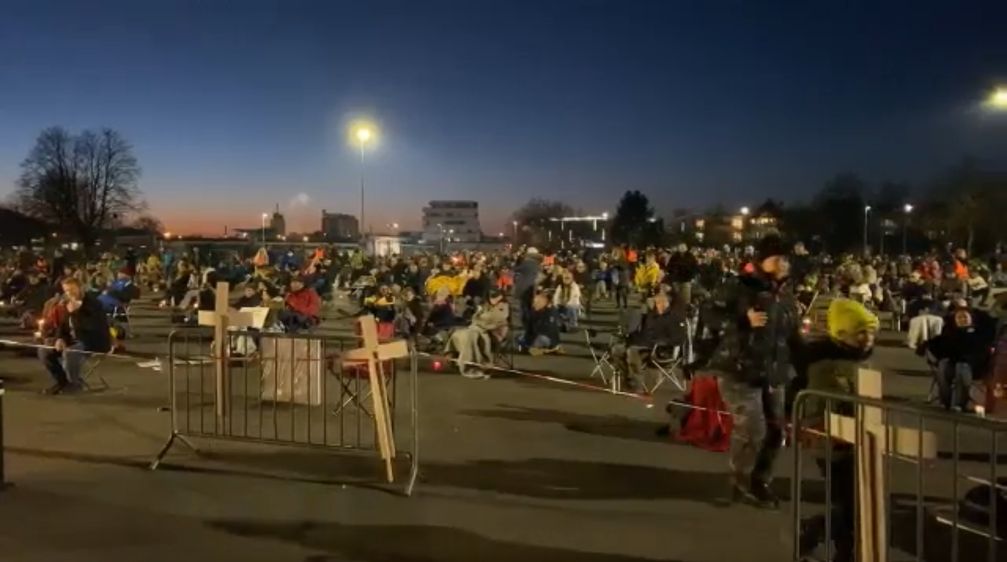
(908, 208)
(745, 211)
(264, 217)
(867, 211)
(998, 99)
(362, 133)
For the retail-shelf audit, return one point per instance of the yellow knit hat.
(849, 317)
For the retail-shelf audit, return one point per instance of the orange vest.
(631, 256)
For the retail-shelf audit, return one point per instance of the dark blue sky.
(235, 106)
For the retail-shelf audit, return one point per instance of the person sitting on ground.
(85, 329)
(658, 327)
(477, 287)
(381, 305)
(408, 313)
(29, 302)
(566, 298)
(302, 307)
(542, 334)
(475, 344)
(831, 365)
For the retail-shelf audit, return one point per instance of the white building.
(456, 221)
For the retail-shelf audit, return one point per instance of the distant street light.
(264, 217)
(867, 211)
(167, 236)
(745, 211)
(908, 209)
(305, 238)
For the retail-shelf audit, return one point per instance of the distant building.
(340, 226)
(456, 221)
(277, 223)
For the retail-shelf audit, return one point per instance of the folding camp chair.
(603, 367)
(90, 369)
(668, 366)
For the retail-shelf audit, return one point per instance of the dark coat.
(729, 344)
(659, 329)
(543, 323)
(88, 325)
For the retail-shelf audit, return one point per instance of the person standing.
(525, 280)
(751, 331)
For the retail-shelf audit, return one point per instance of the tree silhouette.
(83, 182)
(634, 222)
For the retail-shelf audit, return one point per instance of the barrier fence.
(927, 487)
(283, 389)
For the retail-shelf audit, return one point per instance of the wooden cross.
(876, 441)
(221, 318)
(374, 353)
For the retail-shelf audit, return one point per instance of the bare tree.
(149, 223)
(85, 182)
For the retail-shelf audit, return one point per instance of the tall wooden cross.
(221, 318)
(876, 440)
(374, 354)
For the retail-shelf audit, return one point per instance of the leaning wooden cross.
(374, 354)
(221, 318)
(876, 441)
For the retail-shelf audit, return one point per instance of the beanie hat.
(769, 246)
(849, 317)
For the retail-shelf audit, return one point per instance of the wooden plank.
(386, 351)
(871, 527)
(222, 351)
(902, 440)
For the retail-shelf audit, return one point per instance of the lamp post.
(514, 223)
(264, 217)
(867, 212)
(363, 135)
(908, 208)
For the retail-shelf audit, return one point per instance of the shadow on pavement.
(405, 543)
(608, 426)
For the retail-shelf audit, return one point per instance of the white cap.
(532, 251)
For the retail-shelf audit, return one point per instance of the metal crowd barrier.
(939, 508)
(283, 389)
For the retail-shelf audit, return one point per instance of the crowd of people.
(739, 314)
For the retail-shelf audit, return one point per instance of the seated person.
(14, 285)
(84, 328)
(54, 313)
(963, 353)
(29, 302)
(408, 313)
(302, 307)
(381, 305)
(566, 298)
(251, 297)
(119, 293)
(441, 315)
(542, 334)
(475, 344)
(658, 327)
